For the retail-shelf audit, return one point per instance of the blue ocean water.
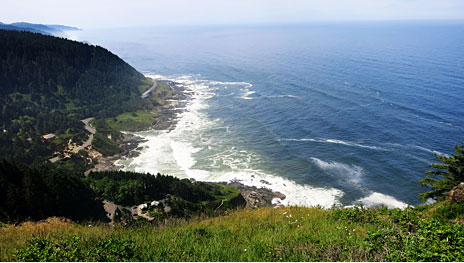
(325, 113)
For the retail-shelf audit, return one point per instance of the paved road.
(87, 127)
(147, 93)
(90, 139)
(86, 143)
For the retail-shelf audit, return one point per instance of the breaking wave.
(378, 199)
(348, 143)
(350, 173)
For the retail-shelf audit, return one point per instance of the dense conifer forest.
(48, 84)
(40, 191)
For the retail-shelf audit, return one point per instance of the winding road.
(90, 139)
(87, 143)
(147, 93)
(92, 131)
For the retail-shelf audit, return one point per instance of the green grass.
(131, 121)
(163, 87)
(147, 83)
(142, 119)
(227, 192)
(104, 145)
(227, 195)
(161, 92)
(78, 137)
(265, 234)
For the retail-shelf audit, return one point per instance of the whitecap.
(283, 96)
(429, 150)
(247, 93)
(377, 199)
(350, 173)
(348, 143)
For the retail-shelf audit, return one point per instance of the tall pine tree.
(451, 170)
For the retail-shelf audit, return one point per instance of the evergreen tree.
(451, 168)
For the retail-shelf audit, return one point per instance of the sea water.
(327, 114)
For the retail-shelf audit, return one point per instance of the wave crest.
(347, 143)
(351, 173)
(377, 199)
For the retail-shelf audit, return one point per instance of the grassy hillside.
(265, 234)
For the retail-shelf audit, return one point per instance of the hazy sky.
(120, 13)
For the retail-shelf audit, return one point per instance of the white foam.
(296, 194)
(348, 143)
(446, 123)
(283, 96)
(240, 83)
(377, 199)
(429, 150)
(351, 173)
(182, 153)
(246, 94)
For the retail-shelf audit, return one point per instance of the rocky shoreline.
(130, 143)
(254, 197)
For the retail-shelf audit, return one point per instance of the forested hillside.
(48, 84)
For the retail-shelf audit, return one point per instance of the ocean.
(325, 113)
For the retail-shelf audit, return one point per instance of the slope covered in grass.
(265, 234)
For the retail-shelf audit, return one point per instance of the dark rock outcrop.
(256, 197)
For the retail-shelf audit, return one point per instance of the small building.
(49, 136)
(143, 206)
(154, 203)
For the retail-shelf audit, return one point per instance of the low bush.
(75, 249)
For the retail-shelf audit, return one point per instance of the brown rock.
(456, 195)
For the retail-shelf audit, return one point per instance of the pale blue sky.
(122, 13)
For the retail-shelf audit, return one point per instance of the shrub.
(433, 241)
(357, 214)
(75, 249)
